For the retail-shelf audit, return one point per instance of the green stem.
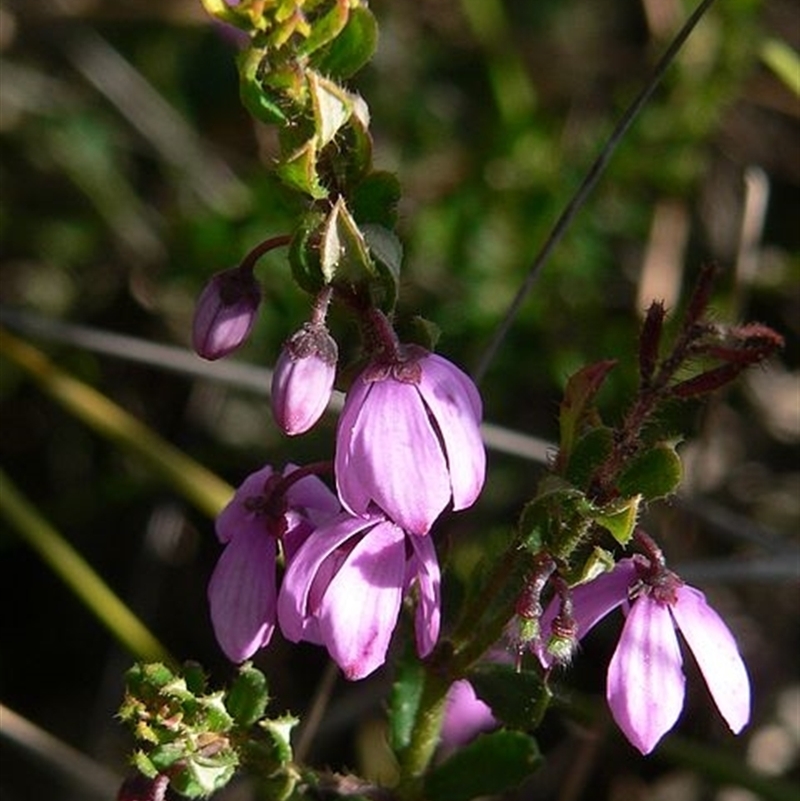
(79, 576)
(199, 486)
(417, 755)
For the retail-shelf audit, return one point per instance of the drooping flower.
(409, 441)
(303, 379)
(645, 682)
(242, 591)
(225, 312)
(344, 587)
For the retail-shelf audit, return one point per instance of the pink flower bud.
(303, 379)
(225, 313)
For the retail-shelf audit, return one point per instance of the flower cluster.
(408, 445)
(645, 684)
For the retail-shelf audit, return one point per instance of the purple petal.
(645, 685)
(465, 716)
(717, 655)
(455, 405)
(427, 618)
(353, 494)
(241, 594)
(591, 602)
(236, 516)
(393, 457)
(467, 386)
(295, 612)
(359, 610)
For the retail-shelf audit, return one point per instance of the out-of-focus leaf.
(493, 763)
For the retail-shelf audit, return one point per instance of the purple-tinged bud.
(303, 379)
(142, 788)
(225, 312)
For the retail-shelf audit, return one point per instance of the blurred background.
(130, 173)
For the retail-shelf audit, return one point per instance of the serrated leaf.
(201, 776)
(577, 407)
(217, 717)
(598, 562)
(619, 518)
(299, 171)
(343, 250)
(655, 473)
(261, 102)
(325, 28)
(304, 253)
(279, 731)
(164, 756)
(387, 252)
(491, 764)
(332, 107)
(516, 698)
(591, 449)
(404, 701)
(248, 696)
(352, 48)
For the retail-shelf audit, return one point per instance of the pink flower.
(465, 716)
(225, 312)
(409, 441)
(303, 379)
(645, 682)
(344, 587)
(242, 590)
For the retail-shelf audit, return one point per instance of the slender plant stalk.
(416, 757)
(585, 189)
(79, 576)
(195, 483)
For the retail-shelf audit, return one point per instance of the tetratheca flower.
(303, 379)
(242, 591)
(344, 587)
(645, 684)
(409, 441)
(225, 312)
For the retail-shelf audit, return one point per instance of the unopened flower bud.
(303, 379)
(225, 313)
(142, 788)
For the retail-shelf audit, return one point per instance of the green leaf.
(517, 698)
(404, 701)
(248, 696)
(352, 48)
(263, 104)
(387, 252)
(493, 763)
(325, 28)
(299, 171)
(332, 107)
(217, 718)
(202, 776)
(619, 518)
(577, 407)
(343, 250)
(589, 452)
(655, 473)
(279, 731)
(304, 253)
